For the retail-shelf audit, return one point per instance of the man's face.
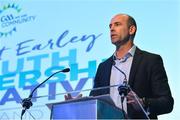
(119, 29)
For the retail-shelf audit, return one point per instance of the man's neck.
(122, 50)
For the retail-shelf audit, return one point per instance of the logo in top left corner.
(12, 16)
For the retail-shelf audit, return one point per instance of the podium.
(101, 107)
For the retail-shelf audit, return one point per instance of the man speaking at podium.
(143, 71)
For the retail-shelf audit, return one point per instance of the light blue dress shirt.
(117, 77)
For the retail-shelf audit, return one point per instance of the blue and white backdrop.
(39, 37)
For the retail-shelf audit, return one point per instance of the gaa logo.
(10, 17)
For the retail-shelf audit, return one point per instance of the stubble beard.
(120, 43)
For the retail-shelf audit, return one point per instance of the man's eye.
(117, 24)
(110, 26)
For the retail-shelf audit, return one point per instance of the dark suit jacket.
(147, 79)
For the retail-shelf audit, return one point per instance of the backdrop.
(40, 37)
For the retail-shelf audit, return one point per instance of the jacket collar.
(135, 63)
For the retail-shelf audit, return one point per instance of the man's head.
(122, 28)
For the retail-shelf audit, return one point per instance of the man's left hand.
(132, 101)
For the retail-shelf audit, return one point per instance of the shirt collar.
(131, 52)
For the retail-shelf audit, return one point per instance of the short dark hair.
(131, 21)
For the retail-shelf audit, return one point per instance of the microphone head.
(124, 89)
(65, 70)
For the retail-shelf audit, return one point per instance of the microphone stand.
(26, 103)
(124, 90)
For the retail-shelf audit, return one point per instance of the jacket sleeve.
(162, 101)
(96, 81)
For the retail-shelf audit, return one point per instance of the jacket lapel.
(135, 63)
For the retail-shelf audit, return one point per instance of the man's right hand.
(69, 97)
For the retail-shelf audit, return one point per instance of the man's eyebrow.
(114, 23)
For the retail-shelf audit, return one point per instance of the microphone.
(26, 103)
(125, 88)
(65, 70)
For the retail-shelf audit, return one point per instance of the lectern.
(101, 107)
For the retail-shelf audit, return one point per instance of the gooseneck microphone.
(124, 89)
(26, 103)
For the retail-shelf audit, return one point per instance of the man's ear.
(132, 29)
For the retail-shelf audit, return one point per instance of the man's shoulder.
(108, 60)
(149, 56)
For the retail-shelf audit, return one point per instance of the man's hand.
(69, 97)
(132, 101)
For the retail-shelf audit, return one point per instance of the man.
(143, 71)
